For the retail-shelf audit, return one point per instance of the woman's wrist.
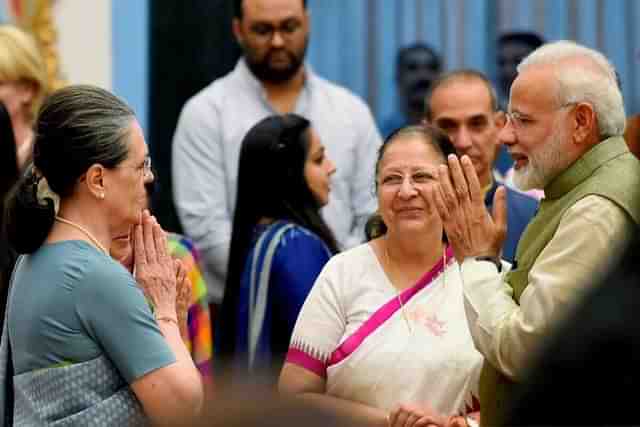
(165, 312)
(169, 319)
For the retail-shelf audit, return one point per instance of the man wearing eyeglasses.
(270, 78)
(564, 131)
(463, 103)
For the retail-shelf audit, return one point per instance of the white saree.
(381, 348)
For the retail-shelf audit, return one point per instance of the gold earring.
(101, 196)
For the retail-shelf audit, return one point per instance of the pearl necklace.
(93, 240)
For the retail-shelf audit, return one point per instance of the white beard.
(543, 164)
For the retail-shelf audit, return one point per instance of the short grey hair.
(596, 83)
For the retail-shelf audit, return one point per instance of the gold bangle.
(167, 319)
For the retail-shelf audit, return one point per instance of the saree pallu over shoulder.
(385, 312)
(411, 347)
(309, 357)
(90, 393)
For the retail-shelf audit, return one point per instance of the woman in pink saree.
(382, 338)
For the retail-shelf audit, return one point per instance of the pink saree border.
(304, 360)
(381, 315)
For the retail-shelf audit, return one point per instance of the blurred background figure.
(279, 242)
(23, 85)
(262, 406)
(632, 134)
(417, 66)
(592, 361)
(513, 47)
(271, 77)
(463, 104)
(9, 175)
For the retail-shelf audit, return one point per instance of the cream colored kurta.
(508, 334)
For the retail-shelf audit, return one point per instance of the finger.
(392, 416)
(458, 179)
(140, 256)
(159, 240)
(411, 420)
(186, 290)
(401, 418)
(428, 421)
(177, 266)
(449, 225)
(181, 272)
(475, 189)
(149, 244)
(500, 211)
(446, 187)
(435, 197)
(451, 421)
(143, 214)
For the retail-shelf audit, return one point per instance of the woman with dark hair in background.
(84, 342)
(279, 241)
(9, 175)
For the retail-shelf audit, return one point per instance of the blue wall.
(354, 41)
(130, 44)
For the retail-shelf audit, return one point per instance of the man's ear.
(236, 26)
(583, 122)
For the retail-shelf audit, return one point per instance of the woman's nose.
(407, 188)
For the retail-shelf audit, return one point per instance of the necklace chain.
(93, 240)
(398, 292)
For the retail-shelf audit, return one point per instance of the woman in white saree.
(382, 338)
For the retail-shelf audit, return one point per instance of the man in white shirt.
(270, 78)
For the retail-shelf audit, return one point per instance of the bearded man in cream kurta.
(564, 131)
